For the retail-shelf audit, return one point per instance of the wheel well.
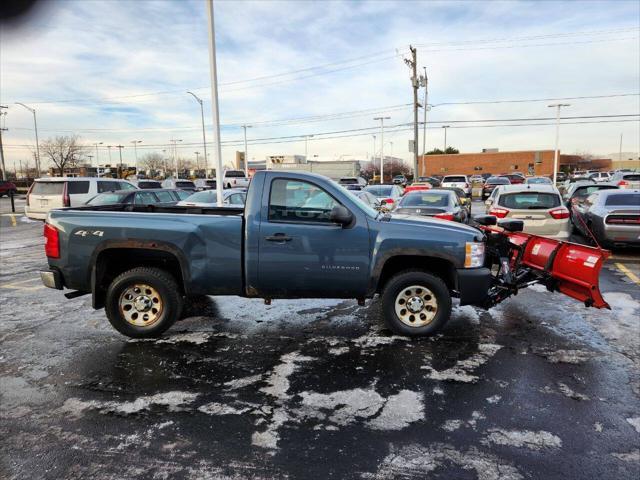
(113, 261)
(434, 265)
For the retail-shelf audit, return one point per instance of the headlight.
(474, 254)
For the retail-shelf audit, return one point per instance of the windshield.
(624, 200)
(206, 196)
(48, 188)
(542, 180)
(584, 192)
(431, 199)
(529, 201)
(185, 185)
(107, 198)
(454, 179)
(631, 178)
(348, 181)
(380, 190)
(364, 205)
(498, 181)
(149, 184)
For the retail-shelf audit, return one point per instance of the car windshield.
(149, 184)
(624, 200)
(584, 192)
(529, 200)
(419, 199)
(454, 179)
(542, 180)
(206, 196)
(631, 178)
(380, 190)
(47, 188)
(107, 198)
(498, 181)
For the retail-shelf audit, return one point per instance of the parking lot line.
(19, 285)
(623, 268)
(13, 220)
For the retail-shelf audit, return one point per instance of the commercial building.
(529, 162)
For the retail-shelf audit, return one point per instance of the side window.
(125, 186)
(299, 201)
(77, 188)
(165, 196)
(145, 198)
(182, 194)
(107, 186)
(236, 199)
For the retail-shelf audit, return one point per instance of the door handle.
(278, 237)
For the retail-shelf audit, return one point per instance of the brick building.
(529, 162)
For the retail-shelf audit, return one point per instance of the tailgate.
(45, 196)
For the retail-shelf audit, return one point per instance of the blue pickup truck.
(300, 235)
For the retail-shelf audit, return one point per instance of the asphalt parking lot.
(538, 387)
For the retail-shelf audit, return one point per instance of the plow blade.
(570, 268)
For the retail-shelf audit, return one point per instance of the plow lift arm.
(519, 260)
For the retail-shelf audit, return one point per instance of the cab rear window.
(621, 200)
(529, 201)
(48, 188)
(631, 178)
(454, 179)
(185, 185)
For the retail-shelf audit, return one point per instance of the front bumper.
(473, 285)
(51, 279)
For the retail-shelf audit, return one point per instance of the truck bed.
(159, 208)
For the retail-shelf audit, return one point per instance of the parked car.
(612, 215)
(514, 178)
(400, 180)
(487, 175)
(417, 186)
(387, 194)
(457, 181)
(560, 176)
(369, 200)
(299, 236)
(577, 193)
(600, 176)
(7, 188)
(441, 204)
(235, 179)
(146, 183)
(626, 180)
(172, 183)
(462, 197)
(433, 181)
(538, 206)
(491, 184)
(46, 194)
(476, 179)
(205, 184)
(538, 181)
(233, 197)
(354, 183)
(139, 197)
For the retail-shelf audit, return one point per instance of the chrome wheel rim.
(416, 306)
(140, 305)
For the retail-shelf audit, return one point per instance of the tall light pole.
(391, 154)
(215, 109)
(426, 107)
(557, 106)
(620, 150)
(306, 145)
(373, 152)
(197, 162)
(204, 138)
(382, 119)
(4, 170)
(35, 127)
(246, 158)
(97, 159)
(120, 147)
(135, 151)
(175, 154)
(445, 138)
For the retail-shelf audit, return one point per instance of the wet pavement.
(539, 387)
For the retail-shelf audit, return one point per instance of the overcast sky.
(117, 71)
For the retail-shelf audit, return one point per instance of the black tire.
(168, 294)
(408, 278)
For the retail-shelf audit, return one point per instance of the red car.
(6, 188)
(416, 186)
(514, 178)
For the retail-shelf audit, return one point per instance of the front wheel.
(143, 302)
(416, 303)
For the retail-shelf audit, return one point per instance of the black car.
(139, 197)
(434, 182)
(442, 204)
(491, 184)
(486, 175)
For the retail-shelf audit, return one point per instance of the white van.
(56, 192)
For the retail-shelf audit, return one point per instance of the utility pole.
(97, 159)
(445, 138)
(120, 147)
(135, 151)
(215, 110)
(620, 150)
(391, 154)
(197, 162)
(373, 152)
(2, 129)
(557, 106)
(174, 152)
(426, 107)
(109, 148)
(204, 138)
(415, 84)
(306, 144)
(382, 119)
(246, 158)
(35, 126)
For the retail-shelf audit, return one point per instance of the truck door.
(301, 252)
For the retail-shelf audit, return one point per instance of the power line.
(536, 99)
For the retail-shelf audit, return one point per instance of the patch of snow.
(346, 405)
(221, 409)
(466, 311)
(523, 438)
(438, 391)
(597, 427)
(494, 399)
(279, 379)
(635, 423)
(565, 356)
(174, 401)
(269, 438)
(242, 382)
(400, 410)
(632, 456)
(372, 340)
(461, 371)
(537, 287)
(339, 350)
(452, 425)
(569, 392)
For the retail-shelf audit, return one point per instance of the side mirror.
(341, 215)
(488, 202)
(486, 220)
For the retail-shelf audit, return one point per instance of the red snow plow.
(520, 259)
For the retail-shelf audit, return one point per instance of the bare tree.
(153, 162)
(63, 151)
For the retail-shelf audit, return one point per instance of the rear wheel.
(143, 302)
(416, 303)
